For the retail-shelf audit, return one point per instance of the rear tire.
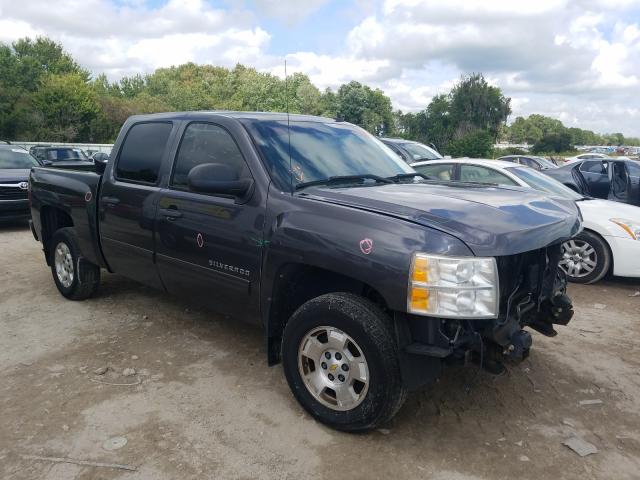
(75, 277)
(586, 258)
(341, 362)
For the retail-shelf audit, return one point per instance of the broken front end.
(477, 310)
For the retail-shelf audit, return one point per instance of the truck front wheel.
(76, 278)
(341, 362)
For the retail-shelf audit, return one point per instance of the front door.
(209, 247)
(128, 200)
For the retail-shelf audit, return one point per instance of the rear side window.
(205, 143)
(142, 151)
(592, 167)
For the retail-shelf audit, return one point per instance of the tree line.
(45, 95)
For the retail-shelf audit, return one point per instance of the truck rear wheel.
(76, 278)
(341, 362)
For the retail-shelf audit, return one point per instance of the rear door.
(594, 173)
(128, 199)
(209, 247)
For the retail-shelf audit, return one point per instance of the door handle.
(170, 213)
(111, 201)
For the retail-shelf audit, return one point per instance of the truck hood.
(13, 175)
(491, 221)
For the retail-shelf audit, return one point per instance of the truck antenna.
(286, 97)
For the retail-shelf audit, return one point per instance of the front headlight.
(462, 287)
(632, 228)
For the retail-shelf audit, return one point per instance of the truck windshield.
(16, 158)
(320, 151)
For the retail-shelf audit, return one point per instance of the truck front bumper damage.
(533, 295)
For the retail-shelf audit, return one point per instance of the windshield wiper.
(403, 176)
(347, 179)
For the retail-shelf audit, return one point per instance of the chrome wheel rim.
(63, 262)
(333, 368)
(579, 258)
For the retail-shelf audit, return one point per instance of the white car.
(610, 241)
(587, 156)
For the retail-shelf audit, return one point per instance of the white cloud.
(289, 11)
(577, 60)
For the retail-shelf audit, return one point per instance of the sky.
(575, 60)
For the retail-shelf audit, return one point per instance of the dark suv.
(15, 163)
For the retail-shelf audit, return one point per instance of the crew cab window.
(142, 151)
(593, 167)
(441, 171)
(205, 143)
(479, 174)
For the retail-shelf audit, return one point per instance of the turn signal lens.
(420, 270)
(632, 228)
(419, 299)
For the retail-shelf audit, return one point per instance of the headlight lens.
(632, 228)
(465, 287)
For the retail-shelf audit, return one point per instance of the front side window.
(309, 151)
(480, 174)
(142, 151)
(64, 154)
(206, 143)
(440, 171)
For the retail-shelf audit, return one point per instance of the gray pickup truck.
(367, 278)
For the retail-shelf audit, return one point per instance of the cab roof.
(274, 116)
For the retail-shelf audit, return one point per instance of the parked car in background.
(610, 241)
(39, 151)
(411, 151)
(587, 156)
(537, 163)
(611, 178)
(15, 164)
(366, 278)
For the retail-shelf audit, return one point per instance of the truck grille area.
(527, 277)
(13, 193)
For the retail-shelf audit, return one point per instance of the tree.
(476, 105)
(553, 143)
(371, 109)
(477, 144)
(67, 106)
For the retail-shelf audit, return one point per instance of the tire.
(75, 277)
(366, 337)
(586, 270)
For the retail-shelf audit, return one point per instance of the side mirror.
(219, 179)
(100, 164)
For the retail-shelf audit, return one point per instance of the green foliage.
(476, 144)
(553, 143)
(371, 109)
(46, 95)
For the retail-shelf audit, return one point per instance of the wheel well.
(52, 219)
(295, 284)
(607, 246)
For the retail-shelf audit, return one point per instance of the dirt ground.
(203, 403)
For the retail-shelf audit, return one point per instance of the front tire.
(341, 362)
(75, 277)
(586, 258)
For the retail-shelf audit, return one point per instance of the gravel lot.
(203, 403)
